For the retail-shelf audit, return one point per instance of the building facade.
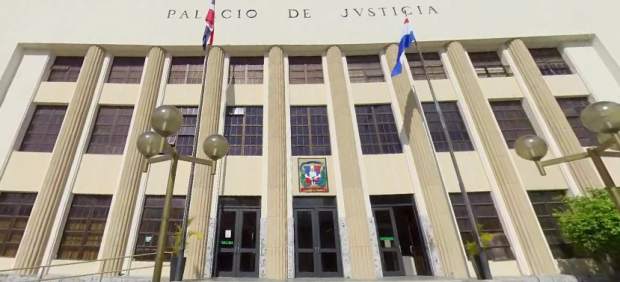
(336, 169)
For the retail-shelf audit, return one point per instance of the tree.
(592, 224)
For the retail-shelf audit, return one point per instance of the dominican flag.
(405, 42)
(207, 37)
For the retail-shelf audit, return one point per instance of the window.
(186, 70)
(456, 127)
(246, 70)
(14, 212)
(185, 136)
(126, 70)
(488, 64)
(243, 127)
(66, 69)
(546, 203)
(84, 227)
(488, 220)
(434, 67)
(365, 69)
(149, 226)
(43, 129)
(110, 131)
(305, 70)
(512, 120)
(309, 131)
(549, 61)
(378, 133)
(572, 108)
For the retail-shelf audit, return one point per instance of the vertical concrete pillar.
(356, 215)
(276, 241)
(529, 235)
(200, 207)
(562, 132)
(121, 212)
(34, 241)
(444, 232)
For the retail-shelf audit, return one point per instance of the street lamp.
(602, 118)
(166, 121)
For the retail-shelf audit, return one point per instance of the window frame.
(22, 202)
(155, 202)
(550, 61)
(90, 203)
(433, 63)
(190, 71)
(128, 69)
(458, 127)
(390, 130)
(360, 69)
(240, 68)
(65, 69)
(187, 130)
(578, 103)
(456, 200)
(483, 64)
(244, 147)
(45, 122)
(111, 148)
(305, 65)
(313, 148)
(505, 118)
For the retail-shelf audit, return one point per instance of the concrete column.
(444, 232)
(519, 210)
(276, 242)
(583, 170)
(200, 207)
(34, 241)
(356, 215)
(121, 212)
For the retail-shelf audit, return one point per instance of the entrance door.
(237, 241)
(401, 245)
(317, 244)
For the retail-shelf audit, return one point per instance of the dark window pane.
(146, 245)
(327, 231)
(329, 262)
(126, 70)
(512, 120)
(378, 133)
(43, 129)
(488, 220)
(305, 70)
(243, 127)
(309, 131)
(186, 70)
(224, 262)
(572, 107)
(304, 230)
(247, 262)
(84, 227)
(390, 260)
(488, 64)
(185, 136)
(110, 132)
(14, 212)
(248, 230)
(550, 62)
(365, 69)
(305, 262)
(456, 127)
(433, 64)
(66, 69)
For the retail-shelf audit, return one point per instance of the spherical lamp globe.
(605, 137)
(531, 147)
(150, 144)
(602, 117)
(215, 146)
(166, 120)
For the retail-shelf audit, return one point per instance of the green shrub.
(592, 224)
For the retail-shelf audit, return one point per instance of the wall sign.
(313, 175)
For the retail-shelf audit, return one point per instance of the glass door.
(237, 241)
(389, 246)
(317, 246)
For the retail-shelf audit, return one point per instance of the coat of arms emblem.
(312, 175)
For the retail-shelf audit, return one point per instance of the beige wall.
(55, 92)
(25, 171)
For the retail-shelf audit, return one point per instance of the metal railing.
(43, 270)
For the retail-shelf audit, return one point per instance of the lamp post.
(602, 118)
(166, 121)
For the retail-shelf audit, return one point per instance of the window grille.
(246, 70)
(488, 64)
(186, 70)
(434, 67)
(126, 70)
(110, 132)
(378, 133)
(572, 107)
(305, 70)
(365, 69)
(309, 131)
(512, 120)
(148, 233)
(243, 127)
(65, 69)
(550, 61)
(43, 130)
(15, 209)
(456, 127)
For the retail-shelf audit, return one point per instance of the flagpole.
(485, 270)
(178, 274)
